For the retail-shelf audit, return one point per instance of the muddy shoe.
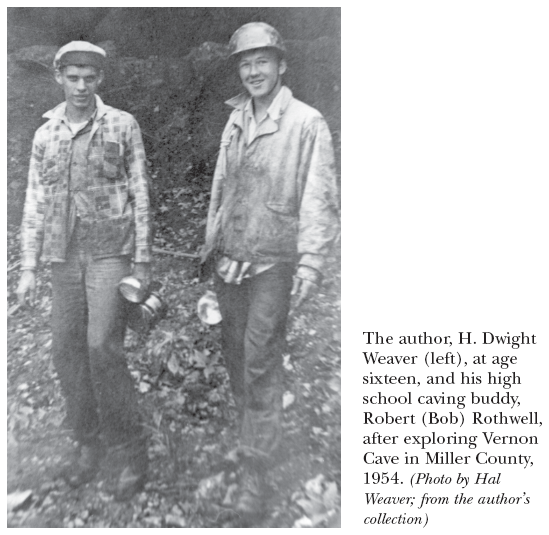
(134, 474)
(84, 466)
(251, 500)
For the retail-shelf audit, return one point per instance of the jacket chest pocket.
(112, 160)
(50, 171)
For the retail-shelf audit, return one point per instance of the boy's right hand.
(27, 284)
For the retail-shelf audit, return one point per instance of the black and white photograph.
(210, 295)
(173, 267)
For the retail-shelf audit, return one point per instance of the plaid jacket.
(117, 186)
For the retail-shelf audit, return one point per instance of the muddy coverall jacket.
(116, 189)
(275, 200)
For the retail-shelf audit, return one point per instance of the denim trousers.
(88, 327)
(253, 334)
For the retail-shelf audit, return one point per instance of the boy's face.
(260, 71)
(79, 84)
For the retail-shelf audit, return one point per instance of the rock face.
(31, 92)
(177, 100)
(29, 26)
(146, 31)
(174, 31)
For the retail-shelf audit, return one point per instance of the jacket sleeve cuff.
(142, 254)
(314, 261)
(308, 273)
(28, 261)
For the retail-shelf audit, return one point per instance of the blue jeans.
(88, 327)
(253, 333)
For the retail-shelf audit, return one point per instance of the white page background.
(445, 179)
(444, 174)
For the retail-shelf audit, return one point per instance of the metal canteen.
(143, 317)
(145, 310)
(132, 289)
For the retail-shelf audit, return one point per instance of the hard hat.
(255, 35)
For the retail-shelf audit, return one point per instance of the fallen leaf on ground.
(19, 499)
(287, 399)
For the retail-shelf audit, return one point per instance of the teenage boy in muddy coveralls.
(271, 222)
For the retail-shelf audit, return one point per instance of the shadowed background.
(169, 68)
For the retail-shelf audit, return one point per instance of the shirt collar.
(241, 100)
(59, 112)
(274, 111)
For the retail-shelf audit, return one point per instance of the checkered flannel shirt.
(117, 187)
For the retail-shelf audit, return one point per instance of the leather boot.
(133, 476)
(85, 466)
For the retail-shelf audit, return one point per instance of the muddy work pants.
(88, 326)
(253, 337)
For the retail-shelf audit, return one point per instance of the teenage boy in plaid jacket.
(87, 212)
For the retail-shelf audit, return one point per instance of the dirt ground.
(185, 398)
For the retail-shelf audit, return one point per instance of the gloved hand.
(306, 282)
